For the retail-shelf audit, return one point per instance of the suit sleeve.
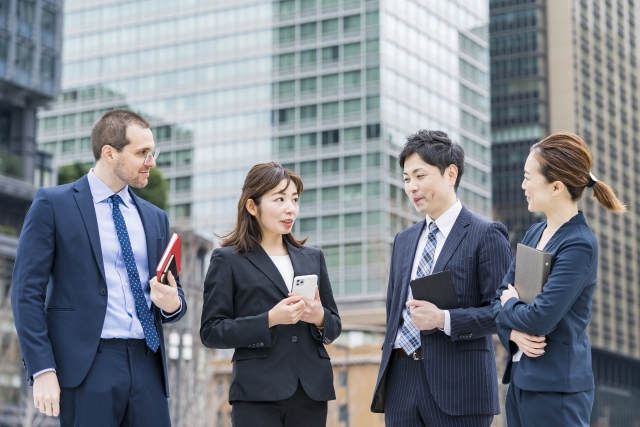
(174, 317)
(493, 262)
(332, 322)
(504, 333)
(219, 327)
(566, 282)
(34, 261)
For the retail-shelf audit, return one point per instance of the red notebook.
(170, 260)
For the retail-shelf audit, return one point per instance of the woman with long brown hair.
(549, 365)
(281, 375)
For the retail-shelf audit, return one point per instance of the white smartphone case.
(305, 286)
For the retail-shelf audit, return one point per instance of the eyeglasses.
(151, 154)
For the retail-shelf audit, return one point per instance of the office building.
(30, 46)
(571, 65)
(329, 88)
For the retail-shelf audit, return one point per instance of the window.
(352, 163)
(373, 46)
(87, 118)
(352, 23)
(373, 74)
(351, 50)
(330, 26)
(308, 112)
(4, 48)
(309, 196)
(330, 137)
(352, 192)
(373, 131)
(330, 109)
(308, 57)
(308, 85)
(24, 57)
(287, 88)
(308, 224)
(50, 123)
(308, 30)
(69, 146)
(353, 251)
(164, 159)
(373, 188)
(352, 106)
(163, 133)
(330, 81)
(330, 54)
(68, 121)
(47, 67)
(353, 134)
(287, 143)
(372, 18)
(287, 60)
(287, 34)
(352, 78)
(373, 160)
(183, 183)
(182, 211)
(331, 222)
(374, 218)
(308, 169)
(330, 165)
(85, 144)
(307, 140)
(331, 254)
(373, 103)
(330, 194)
(286, 115)
(25, 11)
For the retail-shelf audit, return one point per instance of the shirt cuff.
(447, 322)
(166, 316)
(42, 372)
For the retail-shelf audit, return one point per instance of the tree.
(155, 192)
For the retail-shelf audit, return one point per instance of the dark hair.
(262, 178)
(111, 129)
(565, 157)
(436, 149)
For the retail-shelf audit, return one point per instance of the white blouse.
(286, 269)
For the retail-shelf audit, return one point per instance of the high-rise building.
(329, 88)
(30, 46)
(569, 65)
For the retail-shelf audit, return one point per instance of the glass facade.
(329, 88)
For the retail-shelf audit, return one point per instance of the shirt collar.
(446, 221)
(101, 192)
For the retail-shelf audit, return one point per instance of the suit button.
(294, 338)
(103, 292)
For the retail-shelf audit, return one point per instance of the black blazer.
(239, 291)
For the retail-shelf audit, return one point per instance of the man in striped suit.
(447, 378)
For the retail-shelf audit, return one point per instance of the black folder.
(532, 272)
(438, 289)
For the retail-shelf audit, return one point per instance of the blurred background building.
(572, 65)
(30, 49)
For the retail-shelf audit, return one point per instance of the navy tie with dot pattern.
(144, 314)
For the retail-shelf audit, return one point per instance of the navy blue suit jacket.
(561, 312)
(59, 294)
(461, 368)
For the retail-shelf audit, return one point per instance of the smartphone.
(305, 286)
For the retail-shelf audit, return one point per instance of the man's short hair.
(435, 148)
(111, 129)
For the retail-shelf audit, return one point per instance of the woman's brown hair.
(262, 178)
(565, 157)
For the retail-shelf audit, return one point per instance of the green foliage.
(72, 173)
(156, 190)
(10, 164)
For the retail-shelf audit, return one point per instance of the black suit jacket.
(59, 294)
(239, 291)
(460, 369)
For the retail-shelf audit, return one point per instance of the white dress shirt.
(445, 223)
(285, 268)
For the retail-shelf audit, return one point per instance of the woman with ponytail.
(549, 365)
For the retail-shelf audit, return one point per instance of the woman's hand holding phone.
(313, 311)
(287, 312)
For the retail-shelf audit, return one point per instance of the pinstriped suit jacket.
(461, 368)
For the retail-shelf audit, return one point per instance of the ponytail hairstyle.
(262, 178)
(565, 157)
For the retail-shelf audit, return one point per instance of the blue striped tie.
(142, 310)
(409, 338)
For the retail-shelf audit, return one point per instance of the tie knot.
(115, 199)
(433, 227)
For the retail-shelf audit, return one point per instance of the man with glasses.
(87, 306)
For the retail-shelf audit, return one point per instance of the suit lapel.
(149, 225)
(259, 258)
(459, 230)
(406, 260)
(84, 199)
(298, 260)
